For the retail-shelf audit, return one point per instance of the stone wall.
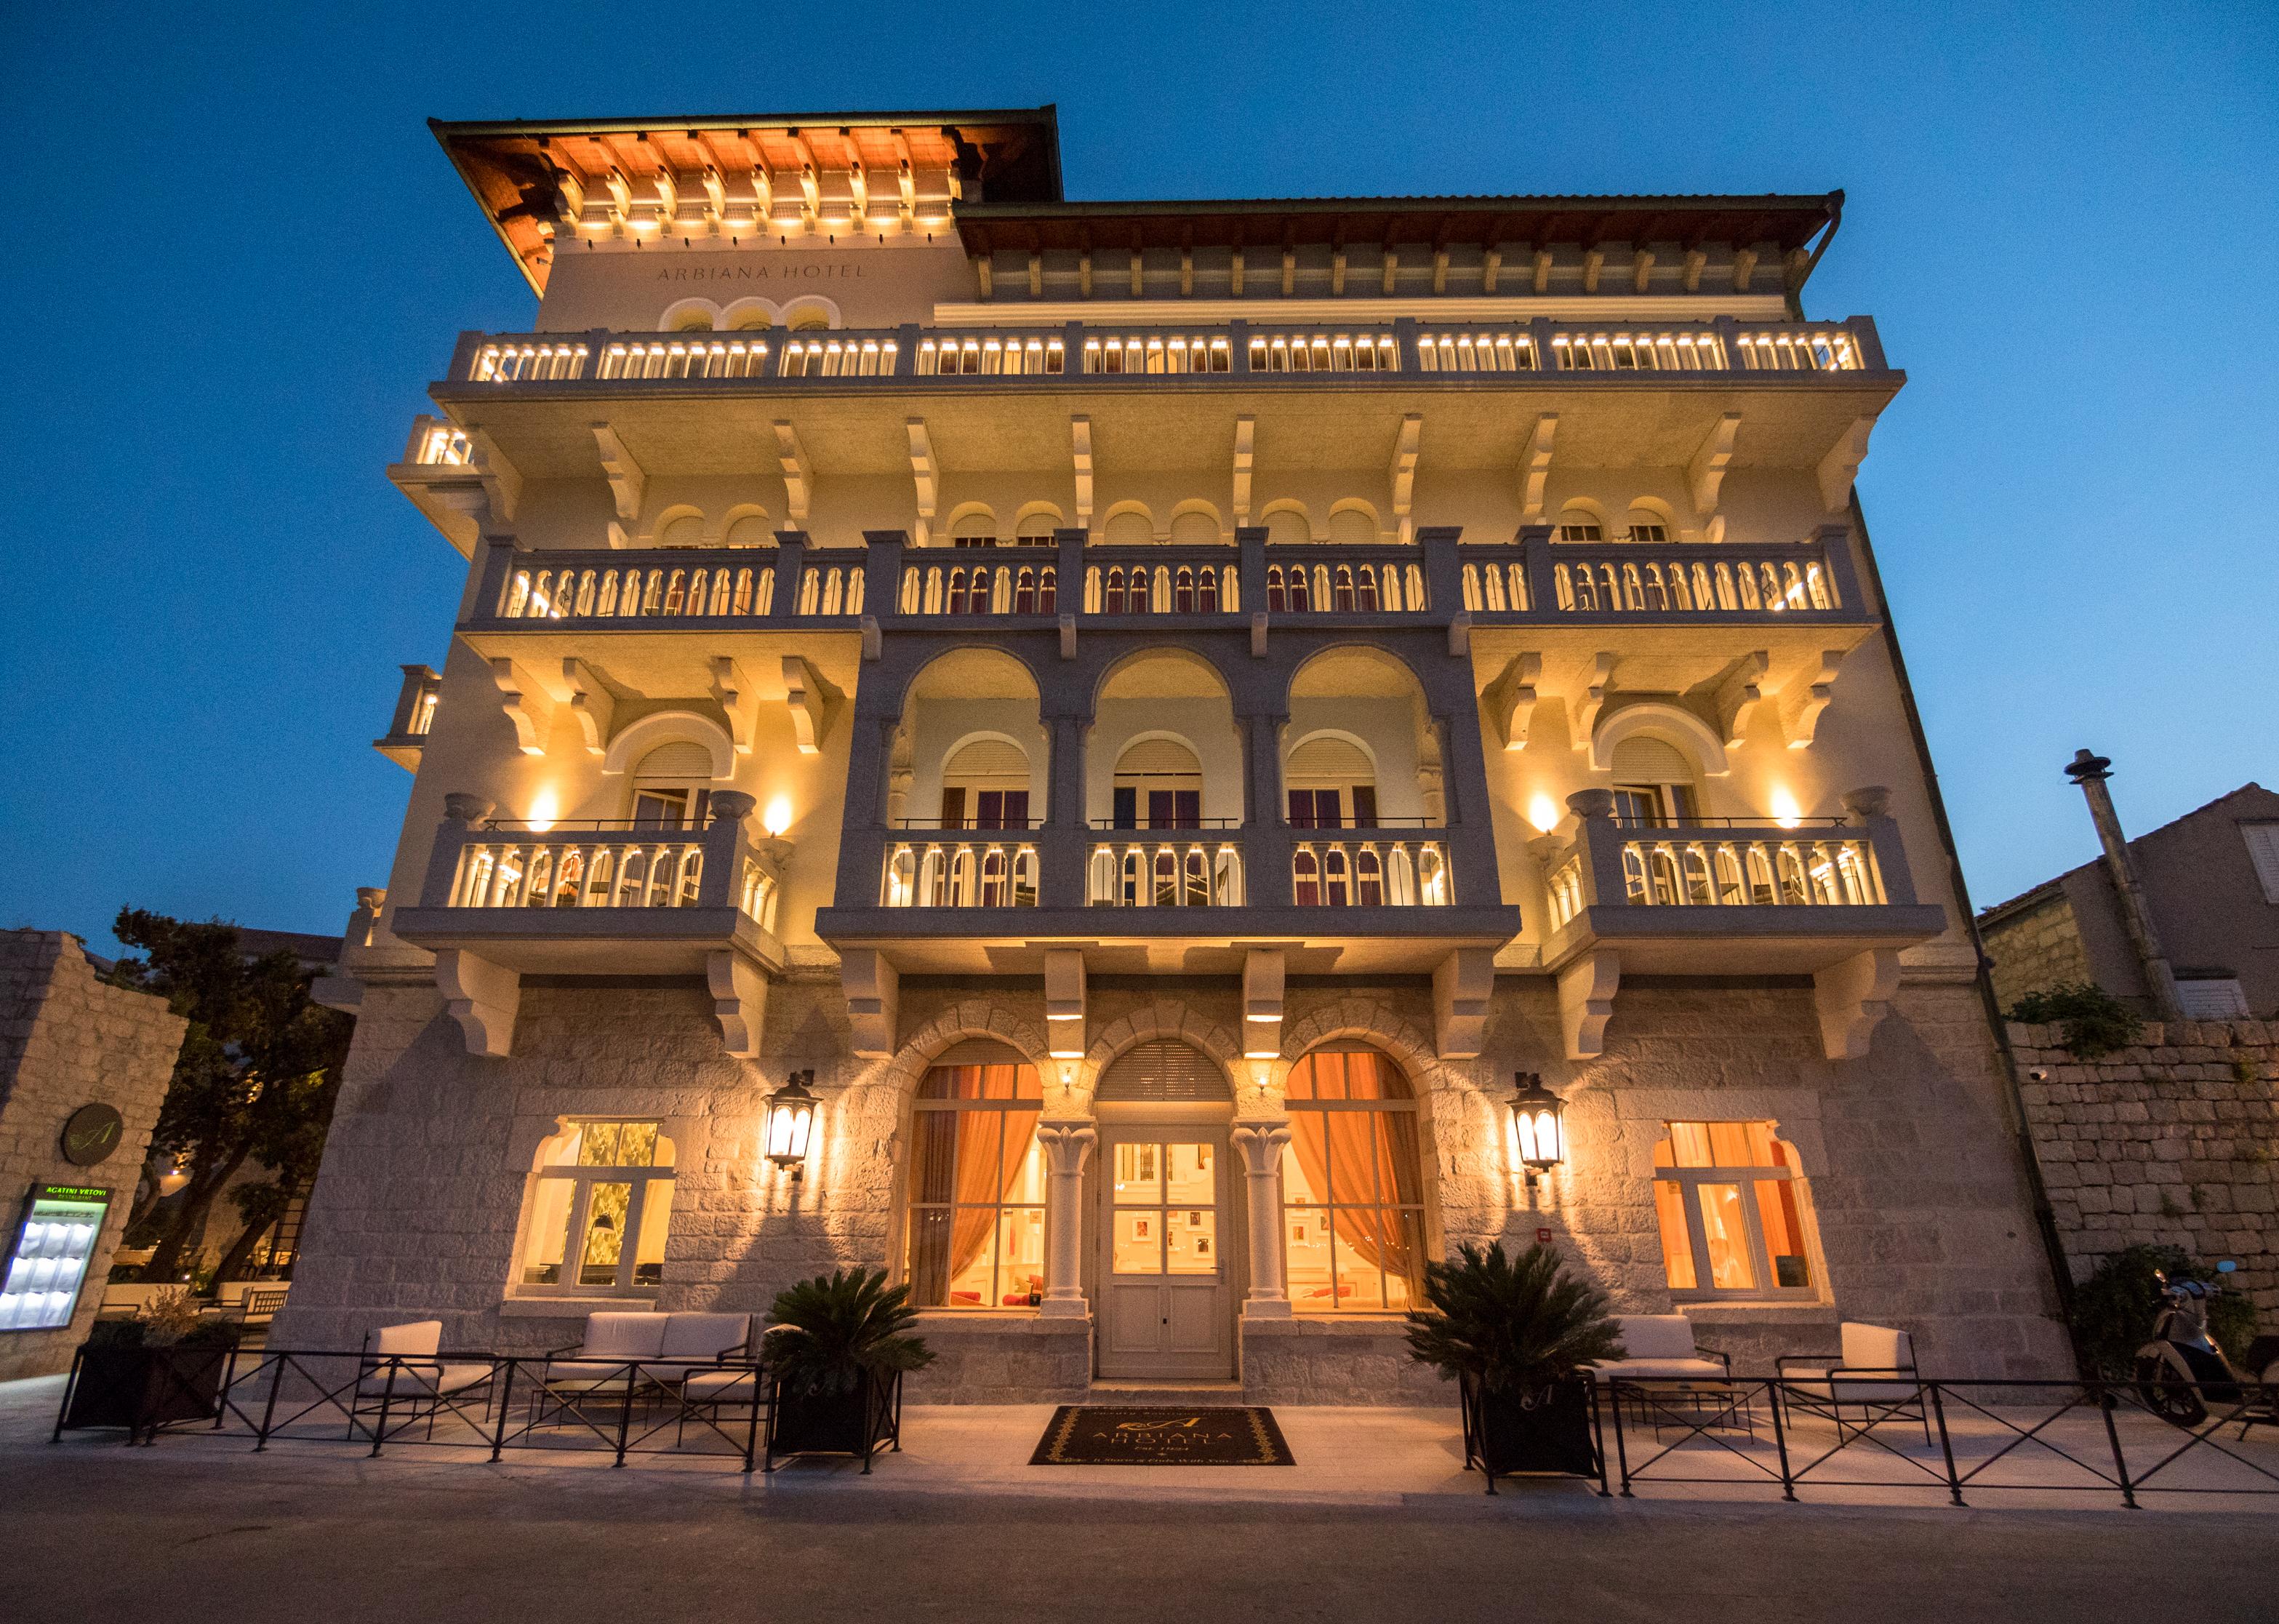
(2172, 1141)
(2036, 947)
(1922, 1210)
(68, 1039)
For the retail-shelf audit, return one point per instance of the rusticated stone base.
(1001, 1360)
(1323, 1361)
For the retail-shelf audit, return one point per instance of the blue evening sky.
(238, 259)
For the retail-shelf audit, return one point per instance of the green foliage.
(166, 1317)
(2094, 1021)
(824, 1333)
(1512, 1322)
(2114, 1308)
(257, 1074)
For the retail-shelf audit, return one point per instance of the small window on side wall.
(1733, 1215)
(599, 1203)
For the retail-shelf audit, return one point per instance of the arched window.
(1331, 785)
(1579, 524)
(1733, 1210)
(595, 1220)
(1158, 785)
(976, 529)
(1036, 529)
(1352, 1200)
(1286, 525)
(1645, 525)
(976, 1182)
(1654, 784)
(1194, 527)
(688, 530)
(670, 787)
(1353, 526)
(1132, 525)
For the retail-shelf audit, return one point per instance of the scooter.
(2182, 1371)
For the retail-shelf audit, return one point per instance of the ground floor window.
(977, 1186)
(1733, 1221)
(600, 1203)
(1352, 1205)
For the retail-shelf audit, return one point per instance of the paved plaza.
(1378, 1519)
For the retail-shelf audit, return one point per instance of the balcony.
(1358, 900)
(1831, 898)
(1628, 393)
(501, 900)
(406, 737)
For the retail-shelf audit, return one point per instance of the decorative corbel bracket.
(1741, 690)
(1080, 453)
(1263, 980)
(1463, 983)
(482, 998)
(1585, 710)
(1586, 999)
(1535, 467)
(739, 1001)
(591, 704)
(873, 989)
(524, 704)
(1852, 997)
(1803, 700)
(1246, 430)
(1513, 698)
(798, 475)
(925, 479)
(1065, 994)
(810, 702)
(1705, 475)
(502, 480)
(626, 480)
(1841, 465)
(1406, 447)
(734, 695)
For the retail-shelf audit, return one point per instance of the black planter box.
(143, 1389)
(1541, 1429)
(849, 1423)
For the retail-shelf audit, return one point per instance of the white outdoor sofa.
(1872, 1380)
(1661, 1348)
(645, 1350)
(403, 1375)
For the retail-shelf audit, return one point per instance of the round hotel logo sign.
(92, 1134)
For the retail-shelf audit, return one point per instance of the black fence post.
(1597, 1438)
(506, 1405)
(1780, 1439)
(626, 1409)
(1945, 1444)
(2112, 1436)
(1621, 1449)
(269, 1409)
(386, 1399)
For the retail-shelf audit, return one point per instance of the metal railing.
(959, 873)
(1165, 868)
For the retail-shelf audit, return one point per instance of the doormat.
(1094, 1435)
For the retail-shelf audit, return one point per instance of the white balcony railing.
(1370, 874)
(1165, 872)
(1343, 588)
(1700, 586)
(960, 873)
(1677, 868)
(622, 870)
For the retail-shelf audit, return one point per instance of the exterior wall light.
(791, 1120)
(176, 1176)
(1536, 1114)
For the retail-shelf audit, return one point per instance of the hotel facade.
(1168, 712)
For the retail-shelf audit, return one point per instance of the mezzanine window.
(1732, 1212)
(977, 1186)
(600, 1203)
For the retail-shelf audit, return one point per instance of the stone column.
(1066, 1147)
(1261, 1142)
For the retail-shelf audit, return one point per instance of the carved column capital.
(1068, 1145)
(1261, 1142)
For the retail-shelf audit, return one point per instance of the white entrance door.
(1167, 1296)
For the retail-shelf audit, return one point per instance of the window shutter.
(2212, 999)
(684, 759)
(1159, 758)
(2263, 850)
(988, 759)
(1165, 1070)
(1338, 760)
(1643, 760)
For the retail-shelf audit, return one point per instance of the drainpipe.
(2091, 772)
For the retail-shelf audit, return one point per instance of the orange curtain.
(983, 1179)
(1342, 1139)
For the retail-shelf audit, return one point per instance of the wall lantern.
(176, 1176)
(791, 1118)
(1535, 1114)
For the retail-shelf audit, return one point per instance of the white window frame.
(1688, 1181)
(2263, 852)
(584, 1179)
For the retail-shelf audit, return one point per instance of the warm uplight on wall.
(1544, 812)
(1786, 813)
(545, 807)
(778, 818)
(790, 1121)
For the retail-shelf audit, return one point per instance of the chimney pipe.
(2091, 772)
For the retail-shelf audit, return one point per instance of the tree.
(257, 1074)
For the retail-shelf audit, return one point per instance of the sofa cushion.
(1659, 1370)
(703, 1337)
(623, 1335)
(719, 1387)
(1877, 1347)
(1656, 1336)
(417, 1336)
(423, 1380)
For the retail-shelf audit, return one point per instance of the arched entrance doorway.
(1167, 1265)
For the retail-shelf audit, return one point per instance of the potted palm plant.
(1518, 1335)
(166, 1364)
(836, 1350)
